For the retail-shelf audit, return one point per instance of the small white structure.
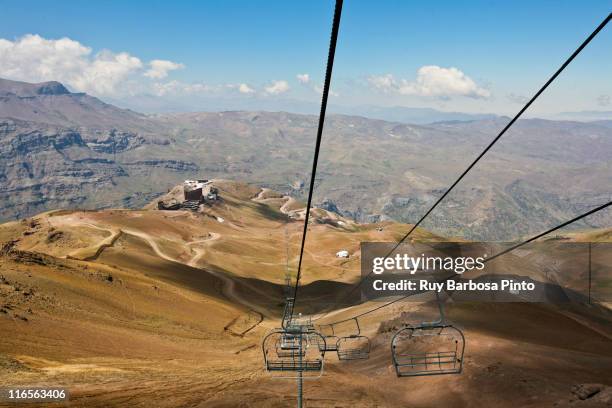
(195, 184)
(342, 254)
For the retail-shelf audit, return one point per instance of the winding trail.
(290, 200)
(92, 252)
(283, 209)
(193, 262)
(146, 237)
(299, 214)
(229, 286)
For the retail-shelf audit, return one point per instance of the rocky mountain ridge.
(61, 149)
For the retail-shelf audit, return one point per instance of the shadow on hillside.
(271, 213)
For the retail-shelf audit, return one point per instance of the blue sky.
(487, 56)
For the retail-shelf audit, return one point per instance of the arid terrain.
(151, 308)
(70, 150)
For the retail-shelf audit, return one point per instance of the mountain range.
(60, 149)
(154, 105)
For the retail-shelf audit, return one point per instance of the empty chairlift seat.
(286, 354)
(331, 343)
(331, 340)
(353, 347)
(289, 341)
(429, 348)
(288, 346)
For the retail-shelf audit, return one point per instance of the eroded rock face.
(61, 149)
(329, 205)
(586, 391)
(588, 396)
(45, 166)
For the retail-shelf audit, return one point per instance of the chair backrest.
(288, 354)
(353, 347)
(428, 349)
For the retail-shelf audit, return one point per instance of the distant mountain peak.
(52, 103)
(25, 89)
(51, 88)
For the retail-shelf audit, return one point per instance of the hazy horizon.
(196, 56)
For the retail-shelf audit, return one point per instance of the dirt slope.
(167, 308)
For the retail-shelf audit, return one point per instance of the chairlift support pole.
(589, 273)
(288, 285)
(289, 325)
(300, 379)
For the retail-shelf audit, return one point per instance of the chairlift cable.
(594, 210)
(481, 155)
(326, 86)
(586, 214)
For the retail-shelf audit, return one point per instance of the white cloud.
(33, 58)
(181, 88)
(517, 98)
(319, 89)
(107, 73)
(431, 81)
(277, 87)
(242, 88)
(383, 83)
(303, 78)
(160, 68)
(245, 89)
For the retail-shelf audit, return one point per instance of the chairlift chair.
(429, 348)
(353, 347)
(304, 322)
(289, 341)
(289, 346)
(300, 354)
(331, 341)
